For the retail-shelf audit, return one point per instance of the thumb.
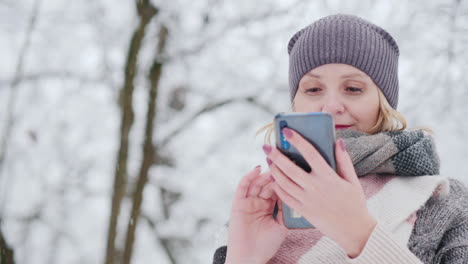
(345, 167)
(246, 181)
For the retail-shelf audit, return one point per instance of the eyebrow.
(343, 77)
(354, 75)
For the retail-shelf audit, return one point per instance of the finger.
(308, 151)
(344, 164)
(267, 191)
(288, 199)
(257, 185)
(245, 182)
(285, 182)
(294, 172)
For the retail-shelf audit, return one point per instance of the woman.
(386, 203)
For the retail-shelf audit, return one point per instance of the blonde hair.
(388, 119)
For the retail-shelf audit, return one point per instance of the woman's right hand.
(254, 235)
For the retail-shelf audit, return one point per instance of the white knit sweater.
(393, 202)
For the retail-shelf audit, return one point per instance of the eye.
(354, 90)
(313, 90)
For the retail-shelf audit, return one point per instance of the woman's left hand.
(333, 202)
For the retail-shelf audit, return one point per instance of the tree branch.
(14, 86)
(241, 21)
(208, 108)
(164, 242)
(39, 76)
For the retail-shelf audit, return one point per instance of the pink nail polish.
(256, 167)
(271, 177)
(267, 148)
(269, 161)
(342, 144)
(287, 132)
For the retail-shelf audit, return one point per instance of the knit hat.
(350, 40)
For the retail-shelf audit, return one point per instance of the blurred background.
(126, 125)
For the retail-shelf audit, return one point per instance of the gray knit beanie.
(350, 40)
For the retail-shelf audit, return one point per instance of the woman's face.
(344, 91)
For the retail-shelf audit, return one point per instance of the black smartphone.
(319, 129)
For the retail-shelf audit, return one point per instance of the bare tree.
(146, 11)
(148, 148)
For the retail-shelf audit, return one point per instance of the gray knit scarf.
(401, 153)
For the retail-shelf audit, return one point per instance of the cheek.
(367, 113)
(302, 104)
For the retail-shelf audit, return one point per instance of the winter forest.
(126, 125)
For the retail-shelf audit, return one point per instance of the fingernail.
(271, 177)
(267, 148)
(256, 167)
(342, 144)
(287, 132)
(269, 161)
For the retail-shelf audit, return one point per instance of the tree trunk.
(7, 255)
(146, 12)
(148, 148)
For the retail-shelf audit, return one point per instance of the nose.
(333, 105)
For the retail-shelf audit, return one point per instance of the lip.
(342, 126)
